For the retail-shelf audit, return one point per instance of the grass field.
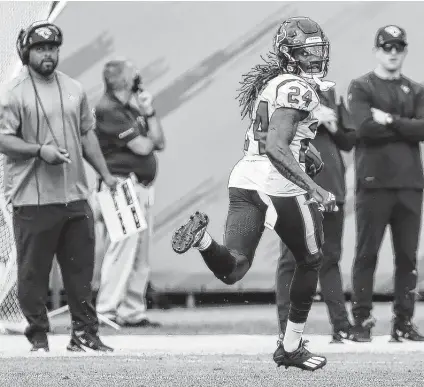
(221, 346)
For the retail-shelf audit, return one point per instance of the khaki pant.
(122, 268)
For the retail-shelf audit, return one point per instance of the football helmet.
(302, 48)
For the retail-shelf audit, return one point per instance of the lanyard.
(38, 101)
(44, 111)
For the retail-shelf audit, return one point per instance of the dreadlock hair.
(255, 80)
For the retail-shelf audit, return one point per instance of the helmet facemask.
(307, 60)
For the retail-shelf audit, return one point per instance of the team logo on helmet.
(44, 32)
(280, 36)
(393, 30)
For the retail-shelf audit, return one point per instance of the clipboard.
(121, 211)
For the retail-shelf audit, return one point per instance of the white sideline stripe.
(153, 345)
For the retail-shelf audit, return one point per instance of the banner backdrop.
(192, 56)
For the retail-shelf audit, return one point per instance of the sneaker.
(361, 331)
(83, 339)
(190, 233)
(341, 333)
(300, 358)
(39, 342)
(403, 328)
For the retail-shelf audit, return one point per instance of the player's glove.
(313, 162)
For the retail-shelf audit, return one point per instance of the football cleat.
(404, 329)
(190, 233)
(300, 358)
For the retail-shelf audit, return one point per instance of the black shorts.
(298, 225)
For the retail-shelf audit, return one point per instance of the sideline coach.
(46, 128)
(388, 112)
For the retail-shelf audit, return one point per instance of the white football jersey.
(254, 171)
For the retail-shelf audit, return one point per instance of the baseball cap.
(44, 34)
(390, 34)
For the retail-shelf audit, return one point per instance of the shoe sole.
(337, 341)
(401, 339)
(74, 348)
(80, 347)
(280, 362)
(361, 340)
(83, 348)
(39, 350)
(184, 238)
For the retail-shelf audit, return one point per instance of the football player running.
(269, 186)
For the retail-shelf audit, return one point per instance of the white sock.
(205, 242)
(293, 335)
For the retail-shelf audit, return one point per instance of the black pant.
(329, 275)
(297, 224)
(40, 233)
(375, 209)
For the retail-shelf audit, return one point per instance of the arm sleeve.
(369, 131)
(87, 122)
(118, 127)
(10, 118)
(412, 129)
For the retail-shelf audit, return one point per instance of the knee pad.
(241, 267)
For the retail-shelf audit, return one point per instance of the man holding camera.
(129, 133)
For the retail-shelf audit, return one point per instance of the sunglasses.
(388, 47)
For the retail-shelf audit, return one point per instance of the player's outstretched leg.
(243, 231)
(227, 265)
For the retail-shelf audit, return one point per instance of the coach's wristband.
(152, 114)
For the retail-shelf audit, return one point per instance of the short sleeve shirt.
(116, 125)
(60, 116)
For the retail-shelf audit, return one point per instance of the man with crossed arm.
(388, 111)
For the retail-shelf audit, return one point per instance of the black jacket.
(388, 156)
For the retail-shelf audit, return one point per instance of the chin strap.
(323, 85)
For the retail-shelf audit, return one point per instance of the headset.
(23, 45)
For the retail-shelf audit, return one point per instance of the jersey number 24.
(260, 128)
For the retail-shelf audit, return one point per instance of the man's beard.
(45, 67)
